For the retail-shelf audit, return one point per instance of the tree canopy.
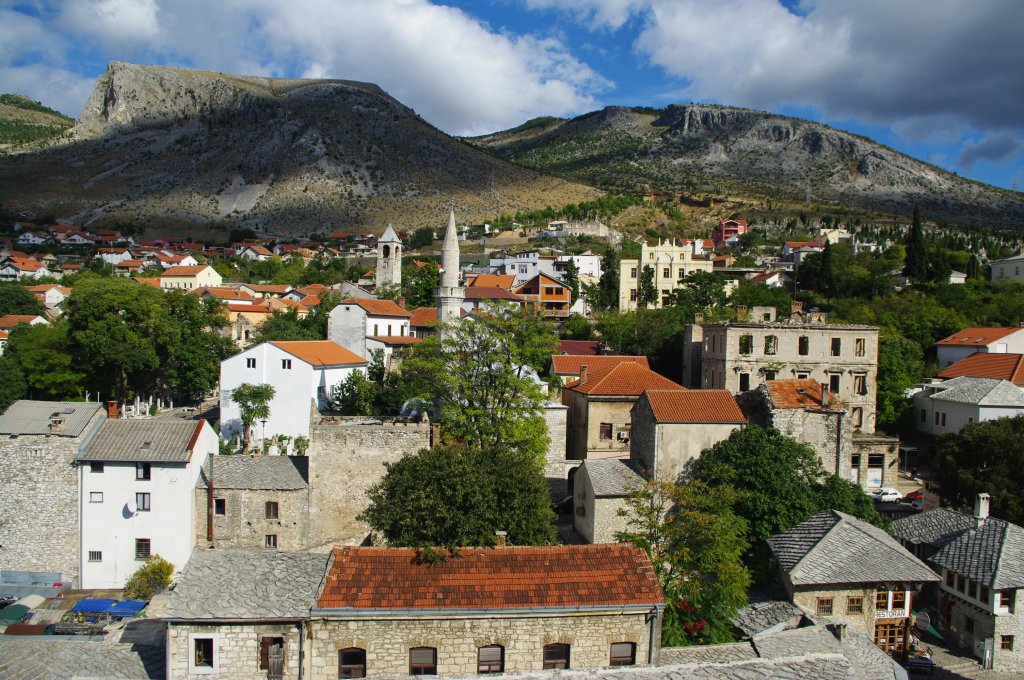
(16, 299)
(253, 403)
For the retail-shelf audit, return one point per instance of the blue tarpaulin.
(127, 609)
(93, 606)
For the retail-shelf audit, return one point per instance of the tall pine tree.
(917, 253)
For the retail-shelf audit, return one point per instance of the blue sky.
(942, 80)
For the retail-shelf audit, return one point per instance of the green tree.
(13, 386)
(15, 299)
(576, 327)
(572, 279)
(647, 293)
(419, 283)
(836, 493)
(900, 367)
(455, 496)
(354, 396)
(917, 252)
(285, 326)
(422, 238)
(149, 579)
(985, 457)
(253, 403)
(701, 291)
(190, 362)
(606, 294)
(696, 544)
(45, 361)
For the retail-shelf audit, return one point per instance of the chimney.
(796, 309)
(824, 394)
(741, 312)
(981, 509)
(698, 318)
(56, 424)
(583, 374)
(839, 630)
(500, 539)
(112, 409)
(401, 302)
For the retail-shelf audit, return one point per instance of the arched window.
(387, 251)
(490, 659)
(352, 662)
(556, 656)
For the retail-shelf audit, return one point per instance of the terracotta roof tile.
(623, 379)
(182, 270)
(579, 347)
(378, 307)
(609, 574)
(694, 406)
(988, 365)
(424, 316)
(569, 364)
(804, 394)
(505, 281)
(9, 321)
(977, 336)
(319, 352)
(491, 293)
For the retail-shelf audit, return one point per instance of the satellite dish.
(923, 621)
(130, 507)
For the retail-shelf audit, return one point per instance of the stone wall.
(827, 432)
(236, 650)
(39, 501)
(862, 623)
(986, 625)
(347, 327)
(244, 523)
(346, 457)
(387, 641)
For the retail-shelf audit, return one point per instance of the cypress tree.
(917, 254)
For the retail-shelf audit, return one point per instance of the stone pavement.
(958, 664)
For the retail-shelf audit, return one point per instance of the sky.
(941, 80)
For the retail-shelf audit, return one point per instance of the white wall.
(957, 414)
(170, 524)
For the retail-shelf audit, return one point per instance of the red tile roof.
(579, 347)
(694, 406)
(977, 336)
(9, 321)
(803, 394)
(491, 293)
(601, 575)
(623, 379)
(569, 364)
(182, 270)
(223, 293)
(319, 352)
(378, 307)
(505, 281)
(988, 365)
(424, 316)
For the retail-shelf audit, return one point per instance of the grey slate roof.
(278, 473)
(245, 584)
(981, 391)
(760, 617)
(613, 477)
(833, 547)
(935, 527)
(156, 441)
(33, 417)
(992, 555)
(63, 657)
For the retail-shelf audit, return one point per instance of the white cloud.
(609, 14)
(112, 23)
(57, 88)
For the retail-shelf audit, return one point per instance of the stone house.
(741, 355)
(840, 569)
(136, 479)
(671, 261)
(600, 490)
(598, 420)
(361, 325)
(981, 594)
(386, 612)
(242, 614)
(303, 373)
(672, 427)
(947, 406)
(40, 442)
(1008, 268)
(968, 341)
(258, 502)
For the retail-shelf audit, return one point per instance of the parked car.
(914, 497)
(887, 495)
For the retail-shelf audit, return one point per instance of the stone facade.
(670, 263)
(665, 449)
(346, 457)
(586, 415)
(236, 649)
(874, 460)
(387, 640)
(39, 504)
(244, 523)
(863, 622)
(972, 620)
(596, 517)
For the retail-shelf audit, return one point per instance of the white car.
(887, 495)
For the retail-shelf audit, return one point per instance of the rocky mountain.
(730, 151)
(185, 151)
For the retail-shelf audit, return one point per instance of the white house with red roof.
(190, 277)
(966, 342)
(16, 268)
(114, 255)
(252, 251)
(795, 251)
(302, 373)
(362, 326)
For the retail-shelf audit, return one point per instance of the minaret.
(449, 294)
(389, 259)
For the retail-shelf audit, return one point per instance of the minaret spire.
(449, 294)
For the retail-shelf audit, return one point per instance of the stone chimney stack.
(824, 394)
(741, 312)
(583, 374)
(981, 503)
(698, 318)
(500, 539)
(112, 409)
(796, 309)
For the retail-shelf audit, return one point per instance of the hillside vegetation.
(23, 121)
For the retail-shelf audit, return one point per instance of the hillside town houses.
(277, 573)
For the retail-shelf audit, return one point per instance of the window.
(858, 347)
(936, 417)
(943, 419)
(972, 589)
(666, 273)
(833, 383)
(837, 346)
(1006, 643)
(271, 510)
(352, 662)
(860, 384)
(858, 417)
(623, 654)
(556, 656)
(881, 599)
(143, 471)
(376, 329)
(771, 344)
(96, 467)
(220, 506)
(142, 548)
(606, 431)
(804, 345)
(632, 273)
(899, 598)
(746, 344)
(968, 624)
(961, 583)
(286, 364)
(250, 363)
(95, 555)
(802, 376)
(924, 415)
(270, 645)
(422, 661)
(490, 659)
(1006, 599)
(95, 496)
(770, 375)
(270, 541)
(632, 295)
(142, 502)
(983, 593)
(203, 652)
(855, 605)
(950, 578)
(744, 382)
(824, 606)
